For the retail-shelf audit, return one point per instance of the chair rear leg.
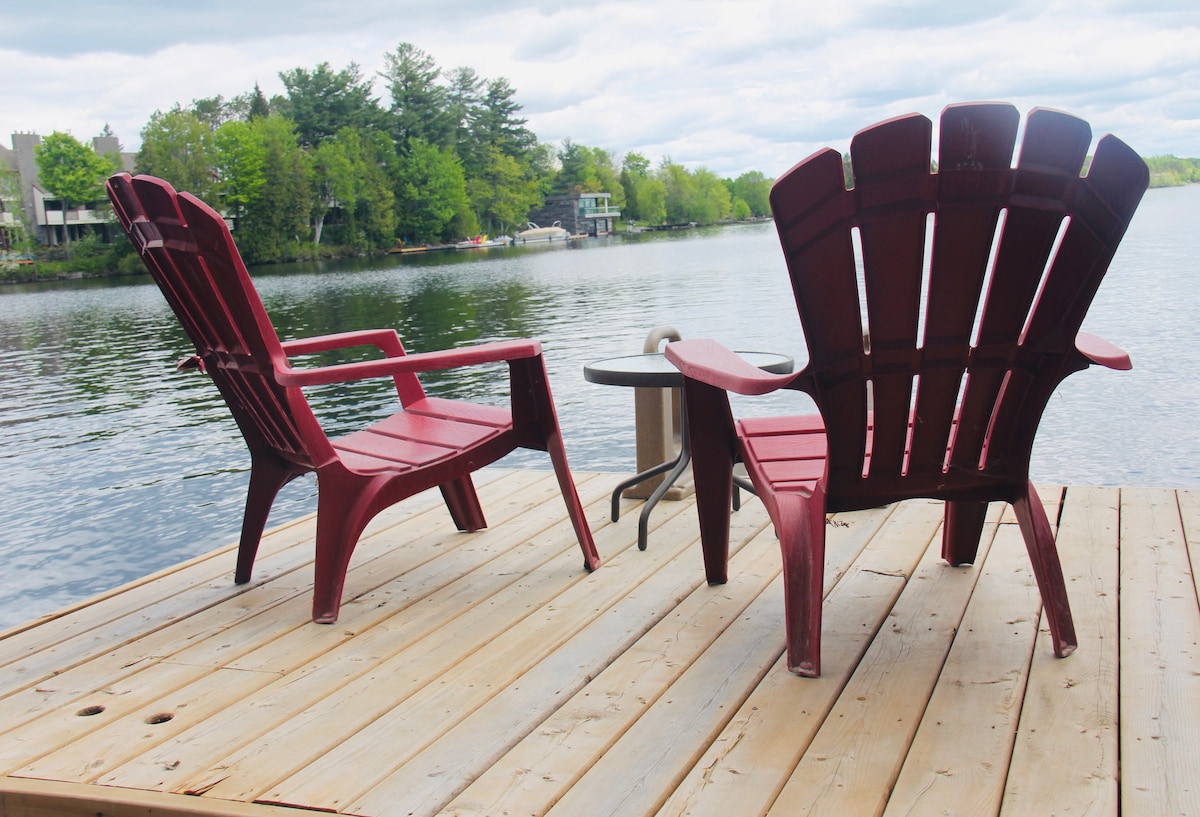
(463, 503)
(267, 476)
(801, 529)
(961, 529)
(1047, 569)
(712, 441)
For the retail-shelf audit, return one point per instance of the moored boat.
(483, 242)
(535, 233)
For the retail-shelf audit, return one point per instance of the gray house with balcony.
(39, 210)
(578, 213)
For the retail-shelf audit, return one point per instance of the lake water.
(113, 466)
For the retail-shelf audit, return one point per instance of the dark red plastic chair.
(432, 442)
(948, 411)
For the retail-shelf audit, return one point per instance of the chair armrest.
(385, 339)
(710, 362)
(1098, 350)
(498, 352)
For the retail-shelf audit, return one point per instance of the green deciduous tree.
(215, 111)
(239, 165)
(179, 147)
(503, 192)
(1172, 171)
(693, 196)
(588, 170)
(710, 201)
(652, 201)
(577, 172)
(349, 176)
(71, 172)
(431, 195)
(265, 181)
(18, 237)
(677, 185)
(635, 170)
(754, 189)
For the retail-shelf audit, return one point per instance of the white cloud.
(731, 86)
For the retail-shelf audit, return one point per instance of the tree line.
(329, 168)
(1172, 171)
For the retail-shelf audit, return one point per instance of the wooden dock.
(488, 674)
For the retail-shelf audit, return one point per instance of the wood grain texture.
(486, 674)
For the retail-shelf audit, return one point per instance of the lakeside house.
(28, 205)
(579, 213)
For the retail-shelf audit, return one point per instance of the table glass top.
(653, 369)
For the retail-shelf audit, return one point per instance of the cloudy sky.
(732, 86)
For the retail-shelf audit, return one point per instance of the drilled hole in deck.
(161, 717)
(88, 711)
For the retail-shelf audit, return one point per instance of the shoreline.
(80, 275)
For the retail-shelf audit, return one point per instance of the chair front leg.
(536, 423)
(801, 528)
(713, 444)
(566, 485)
(344, 506)
(463, 503)
(961, 529)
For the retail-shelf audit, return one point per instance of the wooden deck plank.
(856, 755)
(284, 624)
(644, 768)
(41, 798)
(744, 769)
(1160, 659)
(539, 770)
(487, 674)
(1071, 705)
(566, 725)
(612, 604)
(959, 758)
(454, 591)
(156, 615)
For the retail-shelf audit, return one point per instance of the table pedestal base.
(676, 467)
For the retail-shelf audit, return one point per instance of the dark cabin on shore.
(578, 213)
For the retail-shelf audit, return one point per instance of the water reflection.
(113, 465)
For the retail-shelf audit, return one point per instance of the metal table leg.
(634, 480)
(681, 463)
(675, 466)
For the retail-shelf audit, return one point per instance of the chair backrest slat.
(973, 281)
(190, 253)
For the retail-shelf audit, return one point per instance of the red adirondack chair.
(189, 250)
(949, 412)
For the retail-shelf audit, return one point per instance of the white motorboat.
(535, 233)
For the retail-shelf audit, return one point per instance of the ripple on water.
(113, 465)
